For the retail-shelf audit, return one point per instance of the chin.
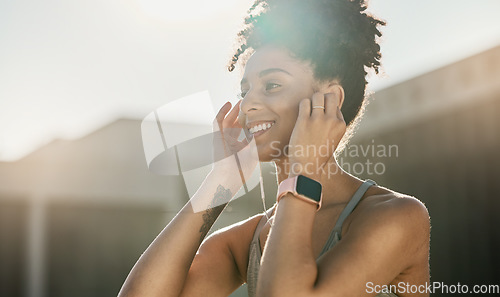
(269, 151)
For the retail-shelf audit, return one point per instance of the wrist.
(302, 188)
(290, 201)
(223, 177)
(215, 190)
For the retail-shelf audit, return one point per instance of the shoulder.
(395, 208)
(397, 201)
(391, 210)
(387, 235)
(396, 219)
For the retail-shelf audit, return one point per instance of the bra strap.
(337, 230)
(352, 204)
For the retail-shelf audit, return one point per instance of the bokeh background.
(78, 204)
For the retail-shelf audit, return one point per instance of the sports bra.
(255, 252)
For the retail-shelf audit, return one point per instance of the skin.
(385, 240)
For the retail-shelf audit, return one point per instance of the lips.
(259, 126)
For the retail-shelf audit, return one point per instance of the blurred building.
(76, 215)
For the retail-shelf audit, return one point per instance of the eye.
(271, 86)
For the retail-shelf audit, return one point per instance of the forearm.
(163, 267)
(289, 266)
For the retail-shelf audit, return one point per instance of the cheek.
(294, 102)
(288, 111)
(287, 105)
(288, 118)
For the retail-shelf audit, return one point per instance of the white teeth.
(260, 127)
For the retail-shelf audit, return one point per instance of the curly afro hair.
(337, 37)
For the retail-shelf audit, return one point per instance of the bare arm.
(172, 265)
(384, 241)
(163, 268)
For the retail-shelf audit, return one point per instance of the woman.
(330, 233)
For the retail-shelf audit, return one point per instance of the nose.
(251, 102)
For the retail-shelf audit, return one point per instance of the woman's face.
(272, 86)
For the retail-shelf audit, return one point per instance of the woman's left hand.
(316, 134)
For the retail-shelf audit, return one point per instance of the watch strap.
(303, 188)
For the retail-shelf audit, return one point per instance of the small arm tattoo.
(221, 199)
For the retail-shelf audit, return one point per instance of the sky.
(69, 67)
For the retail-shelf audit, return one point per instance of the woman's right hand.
(235, 159)
(174, 264)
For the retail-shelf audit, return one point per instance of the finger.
(237, 124)
(231, 122)
(331, 104)
(318, 104)
(217, 124)
(304, 109)
(233, 115)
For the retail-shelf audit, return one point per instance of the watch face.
(309, 188)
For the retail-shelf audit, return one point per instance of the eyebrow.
(266, 72)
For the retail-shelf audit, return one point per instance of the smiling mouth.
(261, 128)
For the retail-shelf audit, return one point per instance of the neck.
(338, 185)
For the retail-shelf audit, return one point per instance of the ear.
(336, 88)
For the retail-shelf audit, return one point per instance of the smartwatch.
(303, 188)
